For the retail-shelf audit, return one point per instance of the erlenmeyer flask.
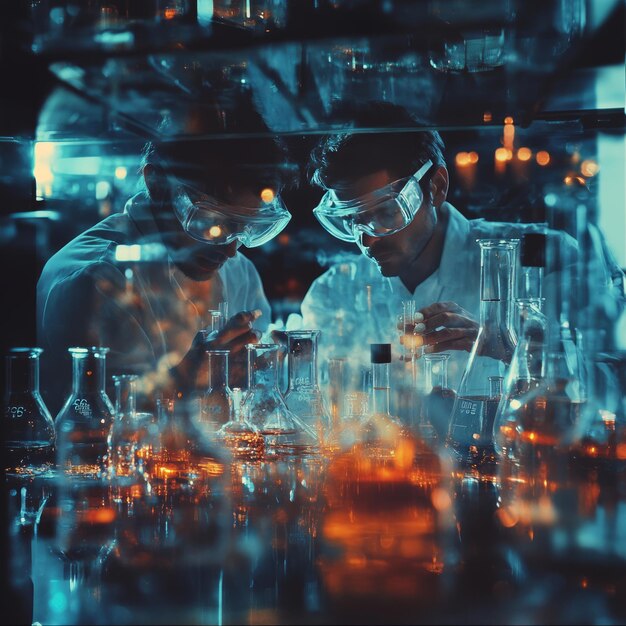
(264, 406)
(524, 374)
(242, 438)
(28, 440)
(471, 428)
(84, 422)
(303, 396)
(437, 405)
(29, 433)
(217, 402)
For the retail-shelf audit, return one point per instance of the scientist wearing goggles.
(387, 194)
(202, 200)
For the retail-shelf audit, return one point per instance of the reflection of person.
(202, 200)
(388, 194)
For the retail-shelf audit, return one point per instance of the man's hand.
(234, 337)
(442, 326)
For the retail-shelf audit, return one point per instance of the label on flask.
(82, 407)
(473, 420)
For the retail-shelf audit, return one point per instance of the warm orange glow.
(267, 195)
(441, 499)
(473, 157)
(571, 180)
(215, 231)
(584, 583)
(283, 239)
(508, 517)
(524, 154)
(487, 117)
(98, 516)
(589, 168)
(170, 13)
(542, 157)
(508, 120)
(462, 159)
(501, 155)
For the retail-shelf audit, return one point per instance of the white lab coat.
(147, 316)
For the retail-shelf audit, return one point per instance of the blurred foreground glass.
(172, 534)
(386, 535)
(264, 406)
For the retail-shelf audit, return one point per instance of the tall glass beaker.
(437, 405)
(303, 396)
(471, 428)
(122, 439)
(264, 406)
(84, 422)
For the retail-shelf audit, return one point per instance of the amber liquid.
(27, 458)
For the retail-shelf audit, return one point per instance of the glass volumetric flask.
(123, 436)
(303, 396)
(217, 402)
(381, 430)
(29, 433)
(438, 401)
(470, 435)
(264, 406)
(84, 422)
(244, 440)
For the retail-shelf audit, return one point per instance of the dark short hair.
(221, 162)
(219, 155)
(349, 155)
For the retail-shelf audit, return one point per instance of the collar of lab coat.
(138, 209)
(452, 259)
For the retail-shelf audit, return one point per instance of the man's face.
(392, 253)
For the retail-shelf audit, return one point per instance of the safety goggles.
(378, 214)
(211, 221)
